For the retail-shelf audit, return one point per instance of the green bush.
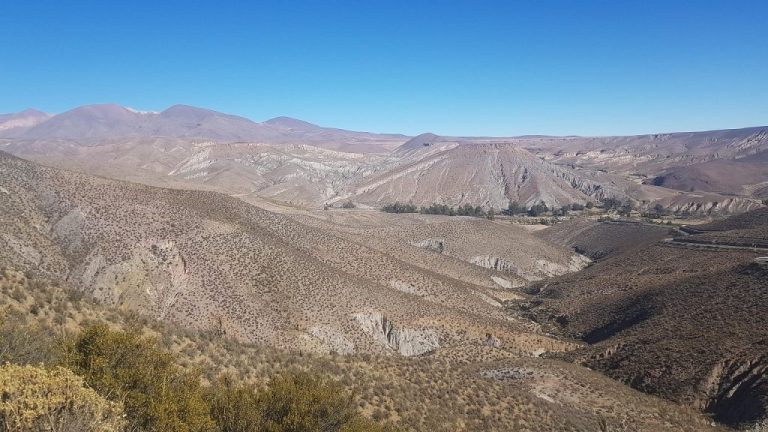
(157, 394)
(234, 406)
(436, 209)
(292, 402)
(304, 402)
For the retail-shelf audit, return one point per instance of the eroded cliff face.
(735, 390)
(494, 263)
(541, 269)
(406, 341)
(433, 244)
(486, 174)
(154, 277)
(715, 206)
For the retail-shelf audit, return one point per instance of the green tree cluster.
(397, 207)
(538, 209)
(465, 210)
(437, 209)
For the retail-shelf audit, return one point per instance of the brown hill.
(486, 174)
(674, 320)
(650, 154)
(742, 176)
(11, 123)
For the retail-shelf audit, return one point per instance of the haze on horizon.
(453, 68)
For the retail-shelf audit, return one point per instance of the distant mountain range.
(92, 123)
(298, 162)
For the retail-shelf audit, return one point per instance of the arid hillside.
(743, 176)
(650, 154)
(368, 297)
(489, 175)
(682, 319)
(489, 389)
(212, 261)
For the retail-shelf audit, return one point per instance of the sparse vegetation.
(371, 393)
(241, 281)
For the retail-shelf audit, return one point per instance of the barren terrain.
(614, 309)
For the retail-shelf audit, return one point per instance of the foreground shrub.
(36, 399)
(304, 402)
(27, 344)
(157, 394)
(234, 406)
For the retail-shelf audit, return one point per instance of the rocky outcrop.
(492, 341)
(713, 207)
(542, 269)
(433, 244)
(504, 283)
(551, 269)
(406, 287)
(408, 342)
(69, 230)
(154, 277)
(494, 263)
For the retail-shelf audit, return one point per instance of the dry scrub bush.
(304, 402)
(157, 394)
(234, 405)
(293, 401)
(37, 399)
(27, 344)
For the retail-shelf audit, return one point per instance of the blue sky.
(471, 67)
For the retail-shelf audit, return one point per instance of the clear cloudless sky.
(471, 67)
